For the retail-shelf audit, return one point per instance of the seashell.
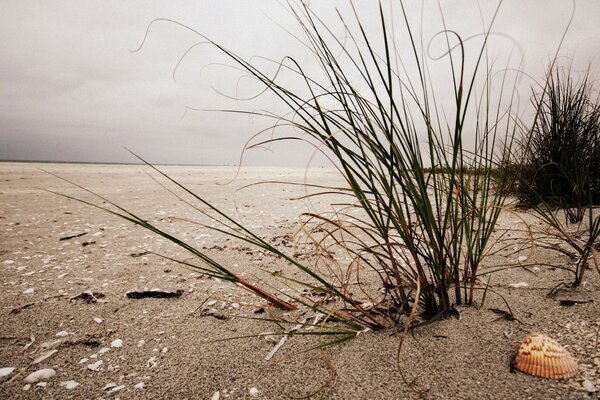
(542, 356)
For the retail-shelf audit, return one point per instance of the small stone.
(253, 392)
(98, 320)
(216, 396)
(116, 343)
(84, 360)
(42, 384)
(164, 350)
(27, 387)
(211, 303)
(140, 385)
(69, 385)
(62, 334)
(235, 306)
(40, 375)
(141, 342)
(28, 291)
(104, 350)
(95, 366)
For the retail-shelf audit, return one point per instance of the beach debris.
(216, 396)
(522, 258)
(42, 384)
(540, 355)
(589, 386)
(213, 312)
(519, 285)
(90, 297)
(116, 343)
(27, 387)
(141, 343)
(507, 315)
(253, 392)
(40, 375)
(69, 237)
(62, 334)
(153, 293)
(235, 306)
(98, 320)
(69, 385)
(139, 254)
(211, 303)
(95, 366)
(104, 350)
(29, 291)
(109, 386)
(44, 356)
(21, 308)
(569, 303)
(88, 243)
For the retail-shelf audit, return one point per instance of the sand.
(168, 347)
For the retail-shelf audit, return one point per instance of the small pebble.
(42, 384)
(104, 350)
(253, 392)
(235, 306)
(116, 343)
(27, 387)
(98, 320)
(62, 334)
(211, 303)
(216, 396)
(84, 360)
(141, 342)
(28, 291)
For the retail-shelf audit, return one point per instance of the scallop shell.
(542, 356)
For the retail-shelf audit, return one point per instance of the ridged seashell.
(542, 356)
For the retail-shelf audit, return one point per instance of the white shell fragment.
(140, 385)
(116, 343)
(62, 334)
(95, 366)
(519, 285)
(69, 385)
(6, 371)
(216, 396)
(253, 392)
(40, 375)
(98, 320)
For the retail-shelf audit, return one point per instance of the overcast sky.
(71, 89)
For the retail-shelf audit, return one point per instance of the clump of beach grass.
(557, 164)
(424, 174)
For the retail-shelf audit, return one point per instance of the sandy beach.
(114, 346)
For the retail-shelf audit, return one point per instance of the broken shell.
(542, 356)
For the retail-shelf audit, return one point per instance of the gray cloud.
(72, 90)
